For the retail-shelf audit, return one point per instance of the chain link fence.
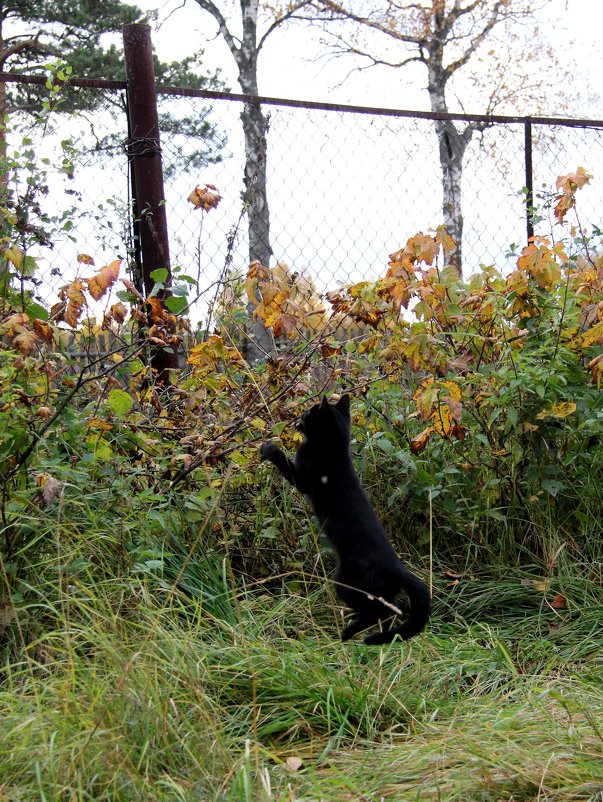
(346, 186)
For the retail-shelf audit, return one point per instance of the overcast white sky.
(287, 71)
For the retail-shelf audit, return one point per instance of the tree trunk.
(245, 50)
(453, 145)
(260, 342)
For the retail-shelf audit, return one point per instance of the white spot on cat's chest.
(324, 480)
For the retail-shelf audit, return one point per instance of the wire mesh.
(345, 188)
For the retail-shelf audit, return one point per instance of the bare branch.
(31, 43)
(233, 43)
(291, 14)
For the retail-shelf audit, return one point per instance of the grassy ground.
(138, 691)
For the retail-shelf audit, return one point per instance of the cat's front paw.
(268, 450)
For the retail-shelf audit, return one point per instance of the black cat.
(368, 569)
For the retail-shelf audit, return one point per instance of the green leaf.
(176, 304)
(239, 458)
(552, 487)
(270, 532)
(179, 289)
(36, 311)
(136, 366)
(103, 452)
(385, 445)
(160, 274)
(120, 402)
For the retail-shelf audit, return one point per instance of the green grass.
(136, 690)
(142, 666)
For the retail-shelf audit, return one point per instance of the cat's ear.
(324, 404)
(343, 405)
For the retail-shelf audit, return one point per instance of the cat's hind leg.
(356, 625)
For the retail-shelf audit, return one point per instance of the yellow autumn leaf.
(456, 407)
(592, 335)
(448, 244)
(560, 410)
(206, 197)
(595, 366)
(15, 255)
(369, 344)
(426, 397)
(443, 420)
(454, 391)
(206, 356)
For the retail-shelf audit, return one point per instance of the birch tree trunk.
(260, 342)
(452, 147)
(245, 50)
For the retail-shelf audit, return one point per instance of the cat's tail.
(420, 610)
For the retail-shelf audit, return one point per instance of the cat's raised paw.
(268, 449)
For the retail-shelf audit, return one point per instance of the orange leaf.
(419, 442)
(158, 312)
(569, 184)
(44, 331)
(84, 259)
(573, 181)
(116, 314)
(538, 260)
(559, 602)
(25, 341)
(257, 270)
(104, 279)
(328, 351)
(76, 300)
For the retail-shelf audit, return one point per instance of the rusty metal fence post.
(144, 152)
(529, 179)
